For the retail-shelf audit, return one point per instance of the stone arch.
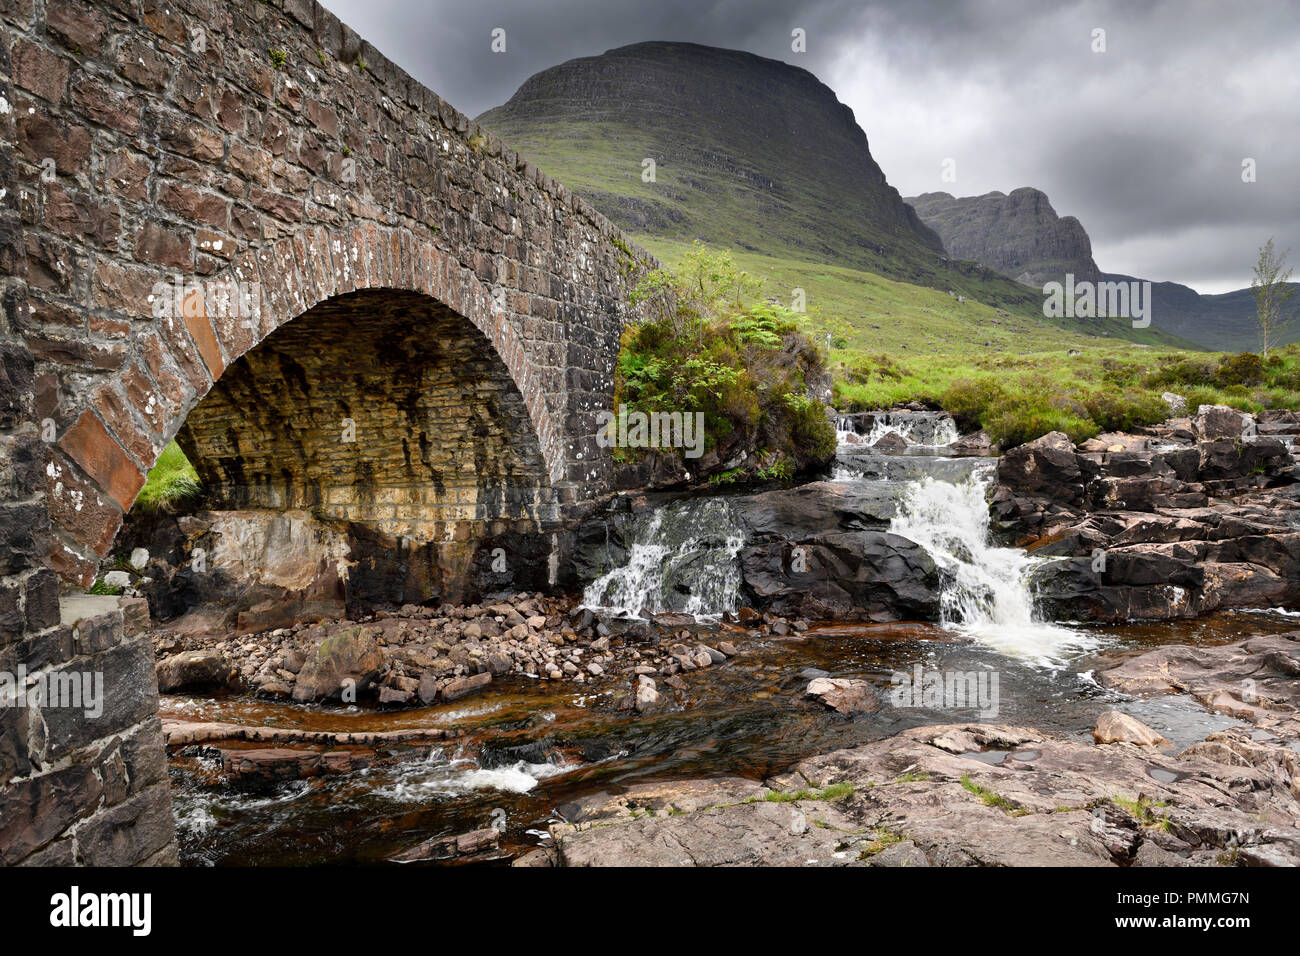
(207, 330)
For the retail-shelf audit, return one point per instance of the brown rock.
(1116, 727)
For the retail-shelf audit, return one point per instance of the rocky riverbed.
(725, 690)
(992, 795)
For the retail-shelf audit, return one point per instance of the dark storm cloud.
(1143, 143)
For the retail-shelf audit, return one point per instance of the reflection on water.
(528, 747)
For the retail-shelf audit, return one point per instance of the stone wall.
(86, 782)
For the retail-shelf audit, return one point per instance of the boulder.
(871, 575)
(1213, 422)
(818, 507)
(1114, 727)
(891, 443)
(349, 654)
(193, 670)
(975, 444)
(843, 695)
(1045, 468)
(1176, 404)
(464, 686)
(647, 697)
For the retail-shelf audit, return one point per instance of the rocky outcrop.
(1019, 235)
(989, 795)
(856, 575)
(957, 795)
(1156, 526)
(984, 795)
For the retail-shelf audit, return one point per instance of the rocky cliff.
(1019, 235)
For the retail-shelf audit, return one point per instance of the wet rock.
(450, 847)
(465, 686)
(1114, 727)
(891, 443)
(920, 797)
(669, 621)
(843, 695)
(977, 444)
(791, 514)
(193, 671)
(869, 575)
(349, 654)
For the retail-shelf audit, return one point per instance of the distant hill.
(1020, 235)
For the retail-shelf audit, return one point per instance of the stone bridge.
(238, 224)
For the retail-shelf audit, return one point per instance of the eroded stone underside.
(383, 407)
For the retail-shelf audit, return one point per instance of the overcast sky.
(1144, 142)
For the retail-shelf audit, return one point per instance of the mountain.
(748, 152)
(1020, 235)
(760, 157)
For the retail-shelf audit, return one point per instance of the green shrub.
(1124, 411)
(1024, 417)
(703, 345)
(969, 400)
(1244, 369)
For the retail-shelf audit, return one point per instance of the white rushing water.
(927, 431)
(989, 597)
(682, 558)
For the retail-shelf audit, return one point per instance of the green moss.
(883, 840)
(278, 58)
(831, 794)
(986, 796)
(1142, 810)
(172, 483)
(914, 777)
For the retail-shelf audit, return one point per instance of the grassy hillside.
(864, 311)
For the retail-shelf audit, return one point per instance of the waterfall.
(928, 429)
(682, 558)
(988, 595)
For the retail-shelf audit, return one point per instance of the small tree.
(1270, 288)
